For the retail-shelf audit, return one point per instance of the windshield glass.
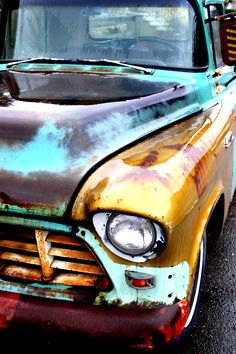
(144, 32)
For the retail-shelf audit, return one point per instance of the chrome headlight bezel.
(129, 220)
(155, 245)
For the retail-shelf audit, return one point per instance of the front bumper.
(138, 328)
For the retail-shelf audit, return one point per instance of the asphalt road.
(215, 330)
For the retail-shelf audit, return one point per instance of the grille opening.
(48, 258)
(19, 251)
(74, 260)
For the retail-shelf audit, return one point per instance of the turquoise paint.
(167, 288)
(3, 67)
(36, 224)
(56, 292)
(43, 211)
(214, 2)
(63, 144)
(58, 161)
(43, 153)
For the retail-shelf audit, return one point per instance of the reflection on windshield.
(160, 35)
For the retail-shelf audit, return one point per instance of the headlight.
(130, 234)
(131, 237)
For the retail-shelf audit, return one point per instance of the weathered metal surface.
(59, 291)
(175, 278)
(112, 147)
(174, 168)
(35, 223)
(70, 254)
(124, 325)
(19, 258)
(31, 86)
(77, 267)
(49, 258)
(182, 149)
(18, 246)
(72, 68)
(45, 259)
(7, 308)
(41, 143)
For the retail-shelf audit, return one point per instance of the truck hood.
(56, 128)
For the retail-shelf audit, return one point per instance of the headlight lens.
(131, 234)
(131, 237)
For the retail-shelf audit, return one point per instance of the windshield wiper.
(82, 61)
(122, 63)
(37, 60)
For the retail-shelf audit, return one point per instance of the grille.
(47, 257)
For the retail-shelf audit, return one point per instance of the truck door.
(222, 75)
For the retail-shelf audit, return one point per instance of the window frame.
(217, 61)
(200, 60)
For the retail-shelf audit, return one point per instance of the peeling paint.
(63, 142)
(82, 139)
(176, 285)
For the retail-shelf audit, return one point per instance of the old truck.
(117, 162)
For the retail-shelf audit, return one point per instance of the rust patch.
(8, 305)
(143, 174)
(198, 158)
(178, 147)
(146, 159)
(45, 258)
(150, 159)
(4, 198)
(145, 326)
(198, 173)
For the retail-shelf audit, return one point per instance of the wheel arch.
(215, 221)
(213, 229)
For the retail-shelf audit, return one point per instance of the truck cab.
(117, 162)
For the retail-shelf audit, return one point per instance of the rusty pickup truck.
(117, 162)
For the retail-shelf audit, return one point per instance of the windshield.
(144, 32)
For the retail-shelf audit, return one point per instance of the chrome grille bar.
(47, 257)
